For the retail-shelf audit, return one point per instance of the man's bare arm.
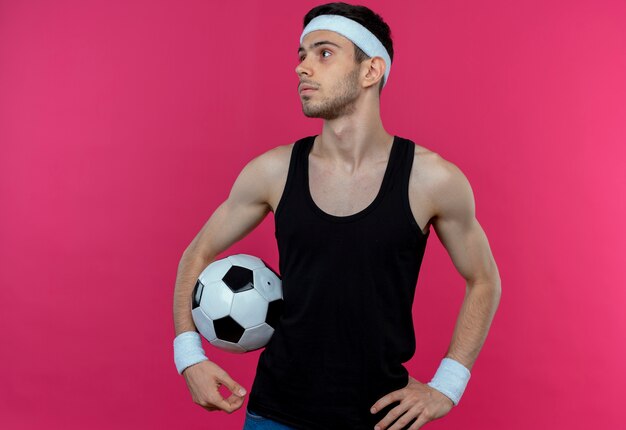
(246, 206)
(443, 189)
(244, 209)
(465, 241)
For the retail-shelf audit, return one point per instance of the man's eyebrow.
(321, 42)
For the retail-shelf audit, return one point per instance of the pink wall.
(124, 124)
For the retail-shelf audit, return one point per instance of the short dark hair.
(364, 16)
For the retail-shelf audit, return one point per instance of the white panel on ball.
(203, 324)
(244, 260)
(228, 346)
(221, 299)
(268, 284)
(249, 308)
(256, 337)
(215, 271)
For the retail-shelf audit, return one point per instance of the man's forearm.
(472, 325)
(189, 268)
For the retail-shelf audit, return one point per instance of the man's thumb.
(234, 387)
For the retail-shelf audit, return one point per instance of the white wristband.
(451, 379)
(188, 350)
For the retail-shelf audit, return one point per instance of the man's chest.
(342, 194)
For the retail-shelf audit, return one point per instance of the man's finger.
(228, 405)
(393, 416)
(394, 396)
(234, 387)
(421, 420)
(235, 400)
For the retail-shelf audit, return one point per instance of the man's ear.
(375, 71)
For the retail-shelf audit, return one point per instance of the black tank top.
(348, 288)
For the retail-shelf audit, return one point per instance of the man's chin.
(315, 115)
(310, 114)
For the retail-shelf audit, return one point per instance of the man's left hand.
(416, 400)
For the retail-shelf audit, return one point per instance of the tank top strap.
(295, 173)
(398, 161)
(406, 156)
(300, 160)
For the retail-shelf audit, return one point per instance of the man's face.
(326, 63)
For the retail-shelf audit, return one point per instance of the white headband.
(358, 34)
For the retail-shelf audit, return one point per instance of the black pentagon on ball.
(197, 294)
(239, 279)
(274, 311)
(228, 329)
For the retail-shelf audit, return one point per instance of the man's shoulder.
(430, 165)
(271, 166)
(435, 175)
(271, 169)
(277, 154)
(276, 159)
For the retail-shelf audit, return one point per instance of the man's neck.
(353, 139)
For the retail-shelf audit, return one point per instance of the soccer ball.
(237, 302)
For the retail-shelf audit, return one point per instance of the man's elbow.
(490, 285)
(492, 280)
(495, 288)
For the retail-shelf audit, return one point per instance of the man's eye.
(301, 58)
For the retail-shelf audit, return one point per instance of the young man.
(353, 208)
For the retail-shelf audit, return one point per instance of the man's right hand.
(204, 379)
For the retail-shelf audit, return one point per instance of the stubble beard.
(343, 103)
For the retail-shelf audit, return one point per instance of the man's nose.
(303, 67)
